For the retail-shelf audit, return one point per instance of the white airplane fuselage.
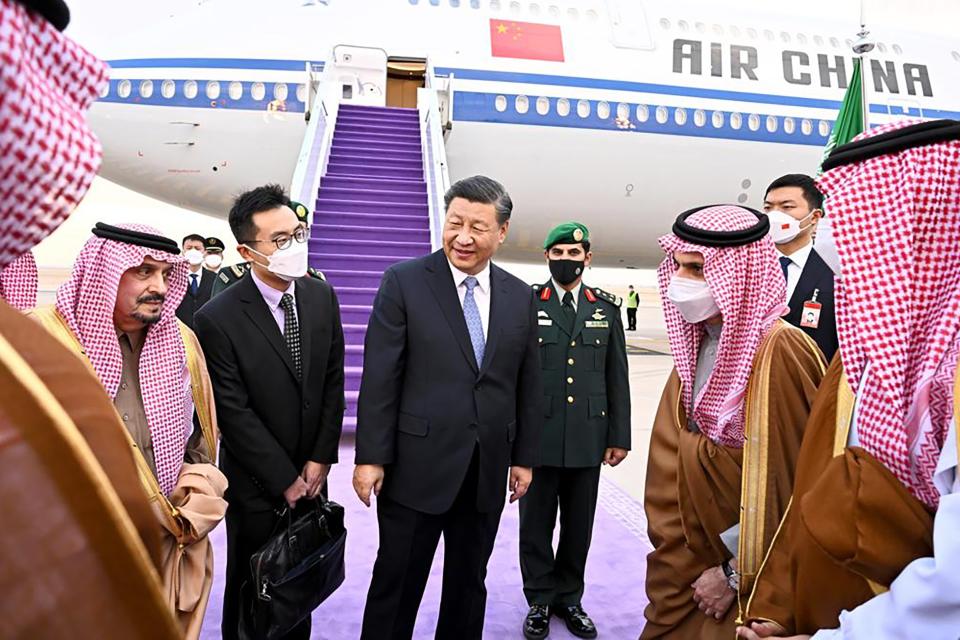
(656, 107)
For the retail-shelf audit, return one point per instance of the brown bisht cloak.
(850, 530)
(80, 548)
(695, 488)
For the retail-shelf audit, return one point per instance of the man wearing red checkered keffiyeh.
(881, 446)
(18, 282)
(727, 433)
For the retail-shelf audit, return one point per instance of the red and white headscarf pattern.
(748, 285)
(87, 302)
(48, 155)
(896, 219)
(18, 282)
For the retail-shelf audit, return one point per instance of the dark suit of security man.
(586, 399)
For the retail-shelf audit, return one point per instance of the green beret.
(214, 243)
(567, 233)
(301, 210)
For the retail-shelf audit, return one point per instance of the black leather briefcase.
(295, 571)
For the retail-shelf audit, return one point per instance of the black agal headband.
(916, 135)
(138, 238)
(708, 238)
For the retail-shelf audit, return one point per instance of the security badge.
(810, 318)
(599, 320)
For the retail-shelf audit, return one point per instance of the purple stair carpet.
(371, 212)
(614, 594)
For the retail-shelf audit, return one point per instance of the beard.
(145, 317)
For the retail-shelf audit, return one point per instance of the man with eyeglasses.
(274, 346)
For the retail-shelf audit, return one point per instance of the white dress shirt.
(481, 293)
(272, 297)
(798, 260)
(560, 291)
(924, 600)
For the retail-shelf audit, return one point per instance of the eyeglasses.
(301, 235)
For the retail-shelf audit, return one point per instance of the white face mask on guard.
(693, 299)
(289, 263)
(213, 261)
(784, 228)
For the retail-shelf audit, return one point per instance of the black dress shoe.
(537, 623)
(578, 622)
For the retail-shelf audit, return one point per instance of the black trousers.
(246, 533)
(631, 319)
(548, 579)
(408, 543)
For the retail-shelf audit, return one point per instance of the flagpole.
(862, 46)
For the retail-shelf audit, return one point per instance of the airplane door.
(361, 73)
(628, 25)
(404, 77)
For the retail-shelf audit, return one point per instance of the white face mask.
(213, 261)
(784, 227)
(693, 299)
(289, 263)
(194, 257)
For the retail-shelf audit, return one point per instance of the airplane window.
(736, 121)
(414, 1)
(802, 39)
(772, 123)
(500, 103)
(146, 88)
(897, 50)
(664, 24)
(752, 33)
(515, 7)
(824, 128)
(554, 11)
(700, 27)
(258, 91)
(563, 107)
(573, 14)
(623, 111)
(190, 89)
(123, 89)
(643, 113)
(662, 115)
(882, 48)
(818, 40)
(717, 30)
(735, 31)
(474, 4)
(302, 92)
(495, 5)
(435, 3)
(583, 108)
(834, 43)
(168, 88)
(699, 117)
(521, 104)
(785, 36)
(683, 25)
(717, 119)
(680, 116)
(806, 127)
(280, 91)
(789, 126)
(105, 90)
(849, 43)
(235, 90)
(753, 122)
(956, 55)
(592, 16)
(768, 35)
(454, 3)
(603, 110)
(543, 105)
(534, 9)
(213, 89)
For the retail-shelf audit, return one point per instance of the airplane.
(617, 113)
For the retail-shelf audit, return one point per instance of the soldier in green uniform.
(587, 423)
(233, 273)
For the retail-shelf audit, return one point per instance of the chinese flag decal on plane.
(527, 40)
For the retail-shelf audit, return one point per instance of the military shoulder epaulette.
(609, 297)
(239, 269)
(316, 274)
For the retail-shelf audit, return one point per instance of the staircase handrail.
(315, 148)
(434, 160)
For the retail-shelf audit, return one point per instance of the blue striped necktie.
(471, 313)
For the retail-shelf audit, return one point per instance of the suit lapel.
(307, 320)
(440, 280)
(584, 309)
(498, 294)
(256, 308)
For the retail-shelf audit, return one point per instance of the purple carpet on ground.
(616, 569)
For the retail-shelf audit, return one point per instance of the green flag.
(850, 120)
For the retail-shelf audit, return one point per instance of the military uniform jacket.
(586, 386)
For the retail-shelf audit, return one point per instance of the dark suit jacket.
(425, 404)
(271, 424)
(191, 303)
(816, 276)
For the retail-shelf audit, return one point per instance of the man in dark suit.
(795, 205)
(274, 347)
(199, 280)
(450, 406)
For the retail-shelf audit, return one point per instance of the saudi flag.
(851, 120)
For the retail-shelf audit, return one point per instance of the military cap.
(567, 233)
(212, 243)
(301, 210)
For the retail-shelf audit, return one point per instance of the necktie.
(291, 331)
(194, 285)
(785, 262)
(471, 313)
(569, 313)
